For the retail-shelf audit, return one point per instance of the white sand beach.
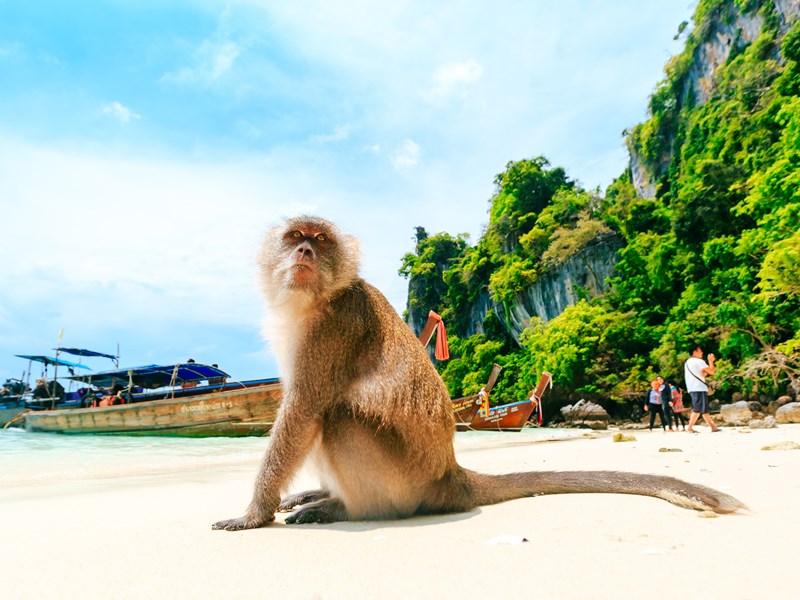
(152, 538)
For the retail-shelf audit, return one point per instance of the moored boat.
(17, 396)
(510, 417)
(185, 400)
(10, 410)
(465, 409)
(506, 417)
(11, 401)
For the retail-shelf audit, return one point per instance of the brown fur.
(364, 403)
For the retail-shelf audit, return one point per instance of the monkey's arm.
(290, 441)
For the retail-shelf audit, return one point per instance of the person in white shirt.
(695, 370)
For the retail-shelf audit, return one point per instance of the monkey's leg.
(289, 444)
(290, 502)
(329, 510)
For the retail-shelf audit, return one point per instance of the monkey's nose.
(304, 251)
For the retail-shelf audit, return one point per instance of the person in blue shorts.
(695, 370)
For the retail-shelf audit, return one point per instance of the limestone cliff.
(583, 275)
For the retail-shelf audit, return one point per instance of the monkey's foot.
(295, 500)
(242, 523)
(329, 510)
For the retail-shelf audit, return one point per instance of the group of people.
(665, 399)
(13, 387)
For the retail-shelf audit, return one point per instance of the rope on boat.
(19, 416)
(174, 379)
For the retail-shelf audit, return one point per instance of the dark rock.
(585, 413)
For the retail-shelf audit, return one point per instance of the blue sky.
(145, 146)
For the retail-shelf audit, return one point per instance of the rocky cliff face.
(641, 176)
(788, 11)
(582, 276)
(416, 316)
(727, 30)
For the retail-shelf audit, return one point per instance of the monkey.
(364, 404)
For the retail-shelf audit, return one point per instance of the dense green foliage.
(713, 258)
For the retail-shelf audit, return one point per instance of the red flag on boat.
(441, 352)
(435, 323)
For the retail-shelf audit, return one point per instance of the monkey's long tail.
(491, 489)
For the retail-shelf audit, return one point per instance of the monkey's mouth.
(301, 273)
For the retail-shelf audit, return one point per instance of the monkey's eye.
(296, 234)
(321, 237)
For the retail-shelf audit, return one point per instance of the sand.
(152, 538)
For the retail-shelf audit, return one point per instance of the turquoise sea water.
(33, 464)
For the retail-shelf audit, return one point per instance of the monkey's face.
(308, 255)
(311, 251)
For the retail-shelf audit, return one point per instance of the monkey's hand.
(245, 522)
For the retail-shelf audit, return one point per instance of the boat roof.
(49, 360)
(83, 352)
(153, 376)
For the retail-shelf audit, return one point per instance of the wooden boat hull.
(10, 414)
(240, 411)
(11, 407)
(465, 409)
(507, 417)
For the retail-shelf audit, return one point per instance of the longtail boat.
(10, 409)
(169, 400)
(465, 409)
(18, 396)
(510, 417)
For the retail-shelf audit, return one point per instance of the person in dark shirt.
(666, 399)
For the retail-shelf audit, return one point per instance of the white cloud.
(120, 112)
(340, 133)
(454, 77)
(221, 58)
(407, 155)
(212, 60)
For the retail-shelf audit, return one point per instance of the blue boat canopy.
(49, 360)
(154, 376)
(82, 352)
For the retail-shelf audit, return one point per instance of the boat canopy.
(82, 352)
(154, 376)
(49, 360)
